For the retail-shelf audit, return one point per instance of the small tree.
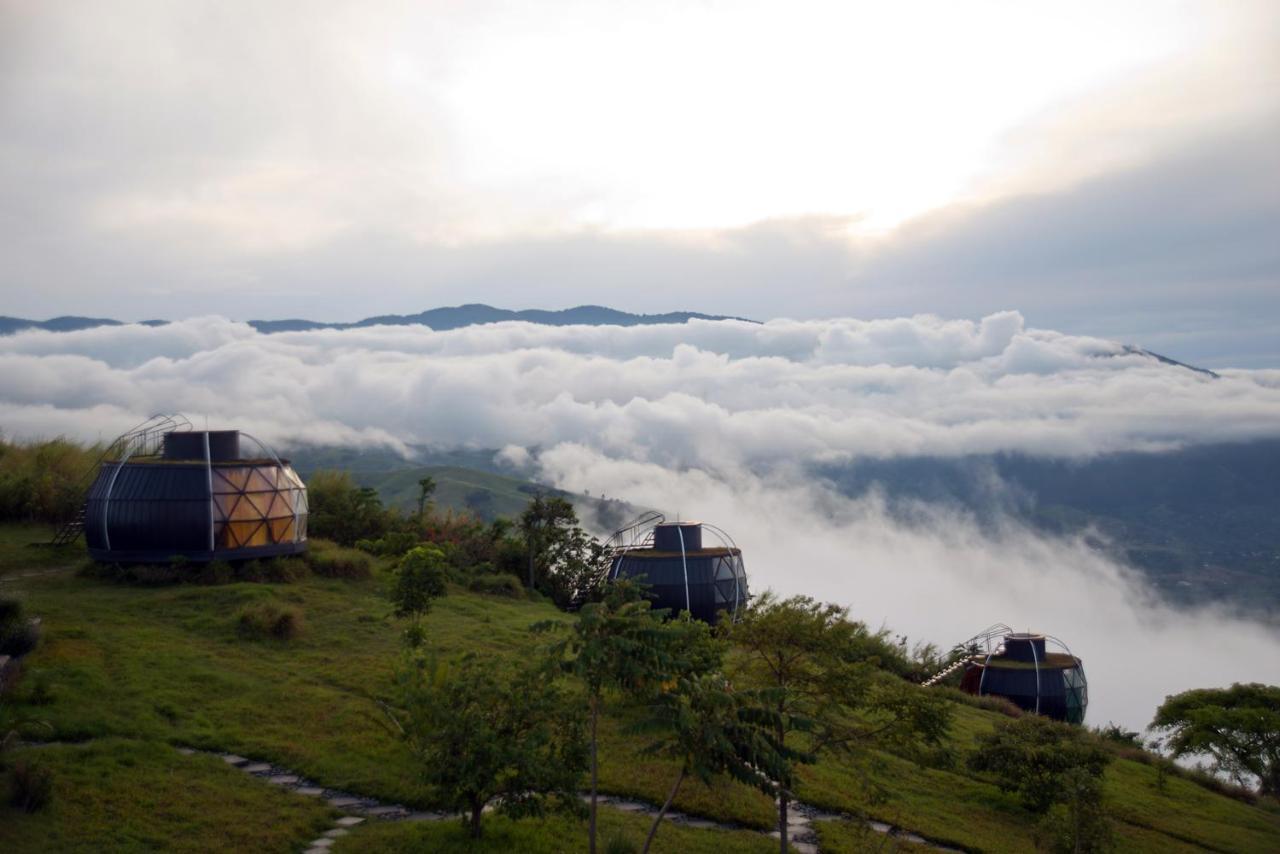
(619, 642)
(420, 579)
(712, 730)
(1238, 727)
(483, 736)
(547, 523)
(818, 676)
(426, 488)
(1056, 771)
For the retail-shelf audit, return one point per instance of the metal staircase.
(144, 440)
(989, 641)
(637, 534)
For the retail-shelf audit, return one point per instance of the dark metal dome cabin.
(194, 494)
(1020, 667)
(683, 572)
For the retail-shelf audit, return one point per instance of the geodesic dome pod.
(224, 506)
(1032, 676)
(685, 575)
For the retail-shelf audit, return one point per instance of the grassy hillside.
(128, 674)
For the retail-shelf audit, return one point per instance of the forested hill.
(451, 317)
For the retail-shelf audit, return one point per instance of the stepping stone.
(629, 806)
(336, 832)
(425, 816)
(803, 848)
(310, 791)
(700, 824)
(232, 759)
(257, 768)
(349, 821)
(321, 843)
(344, 802)
(316, 851)
(283, 779)
(382, 812)
(186, 751)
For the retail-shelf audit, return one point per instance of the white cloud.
(722, 420)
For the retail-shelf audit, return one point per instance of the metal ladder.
(146, 439)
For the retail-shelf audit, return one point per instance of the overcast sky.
(1108, 169)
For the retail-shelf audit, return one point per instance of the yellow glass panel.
(233, 479)
(248, 534)
(282, 530)
(258, 482)
(279, 506)
(244, 511)
(260, 501)
(222, 505)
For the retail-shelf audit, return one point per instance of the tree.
(426, 488)
(818, 677)
(1032, 755)
(619, 642)
(712, 730)
(420, 579)
(483, 735)
(343, 511)
(1238, 727)
(560, 554)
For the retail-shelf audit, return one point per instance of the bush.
(18, 636)
(394, 544)
(619, 844)
(269, 620)
(277, 570)
(216, 572)
(31, 786)
(332, 561)
(989, 703)
(19, 639)
(500, 584)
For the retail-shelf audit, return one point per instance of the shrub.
(393, 544)
(32, 786)
(500, 584)
(269, 620)
(10, 613)
(332, 561)
(619, 844)
(19, 639)
(216, 572)
(989, 703)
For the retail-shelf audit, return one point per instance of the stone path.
(357, 809)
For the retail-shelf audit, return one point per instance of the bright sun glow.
(726, 114)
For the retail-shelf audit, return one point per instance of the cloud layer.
(721, 420)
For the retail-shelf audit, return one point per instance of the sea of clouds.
(723, 421)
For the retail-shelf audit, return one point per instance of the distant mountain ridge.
(450, 317)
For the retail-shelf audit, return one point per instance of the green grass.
(550, 835)
(133, 670)
(127, 795)
(19, 551)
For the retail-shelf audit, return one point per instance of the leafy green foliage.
(31, 786)
(44, 480)
(621, 643)
(562, 559)
(498, 584)
(816, 673)
(342, 511)
(263, 620)
(332, 561)
(1239, 727)
(712, 730)
(481, 735)
(1032, 756)
(420, 579)
(17, 635)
